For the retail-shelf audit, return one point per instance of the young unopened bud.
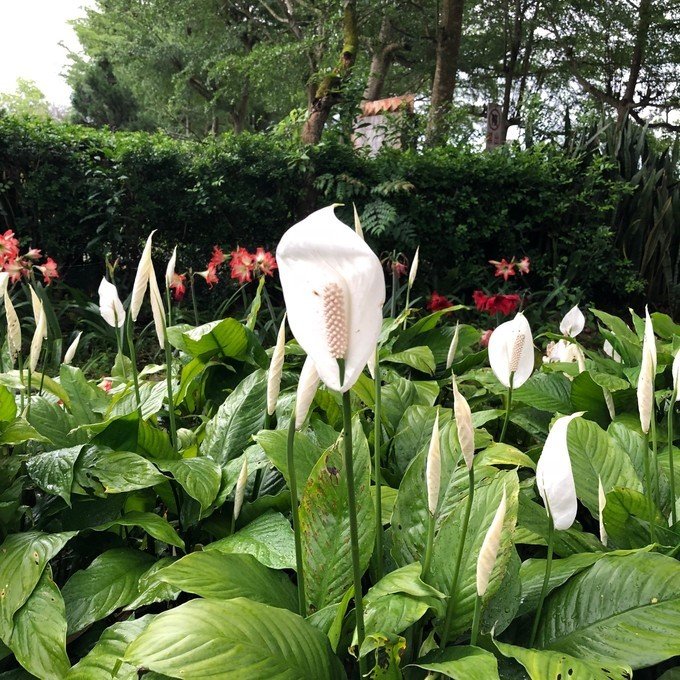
(357, 222)
(38, 337)
(276, 369)
(71, 351)
(36, 306)
(489, 550)
(13, 328)
(675, 370)
(240, 492)
(464, 427)
(453, 347)
(141, 279)
(602, 501)
(433, 468)
(170, 269)
(157, 309)
(307, 386)
(414, 268)
(645, 386)
(335, 320)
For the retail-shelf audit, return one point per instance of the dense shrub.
(80, 193)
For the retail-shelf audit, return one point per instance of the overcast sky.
(30, 33)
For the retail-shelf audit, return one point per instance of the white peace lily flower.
(4, 282)
(414, 268)
(38, 337)
(357, 222)
(110, 306)
(511, 350)
(71, 351)
(276, 369)
(13, 328)
(142, 277)
(573, 322)
(675, 370)
(453, 347)
(240, 492)
(489, 550)
(170, 269)
(464, 426)
(601, 502)
(334, 290)
(307, 387)
(610, 352)
(36, 306)
(433, 468)
(554, 477)
(157, 309)
(645, 386)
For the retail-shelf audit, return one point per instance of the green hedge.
(80, 193)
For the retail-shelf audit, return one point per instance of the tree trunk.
(449, 34)
(329, 92)
(381, 61)
(239, 116)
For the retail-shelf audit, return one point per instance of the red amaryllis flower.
(480, 299)
(34, 254)
(438, 302)
(242, 264)
(523, 265)
(218, 257)
(504, 268)
(48, 270)
(265, 263)
(399, 268)
(16, 269)
(210, 276)
(484, 340)
(9, 246)
(505, 304)
(178, 287)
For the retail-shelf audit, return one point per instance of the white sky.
(30, 33)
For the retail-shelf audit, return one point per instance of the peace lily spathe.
(433, 468)
(110, 306)
(645, 385)
(170, 269)
(610, 351)
(464, 426)
(157, 309)
(601, 502)
(4, 282)
(675, 370)
(142, 277)
(334, 291)
(36, 306)
(554, 477)
(38, 337)
(240, 493)
(13, 328)
(453, 347)
(573, 322)
(71, 351)
(276, 369)
(414, 268)
(511, 351)
(307, 386)
(489, 550)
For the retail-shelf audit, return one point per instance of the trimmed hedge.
(80, 193)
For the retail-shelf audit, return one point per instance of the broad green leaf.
(151, 395)
(664, 326)
(420, 358)
(546, 392)
(269, 539)
(504, 454)
(587, 396)
(543, 664)
(24, 557)
(151, 589)
(234, 639)
(199, 477)
(39, 636)
(620, 610)
(502, 608)
(153, 524)
(461, 663)
(610, 382)
(120, 433)
(18, 431)
(100, 662)
(110, 582)
(626, 519)
(324, 521)
(486, 498)
(226, 337)
(153, 442)
(594, 454)
(241, 415)
(397, 396)
(223, 576)
(86, 402)
(8, 407)
(101, 468)
(53, 471)
(53, 422)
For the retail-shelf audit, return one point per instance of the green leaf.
(153, 524)
(269, 539)
(324, 521)
(234, 639)
(546, 392)
(504, 454)
(8, 407)
(620, 610)
(397, 396)
(54, 423)
(99, 663)
(502, 608)
(24, 557)
(461, 663)
(541, 664)
(53, 471)
(110, 582)
(18, 431)
(100, 468)
(199, 477)
(486, 498)
(223, 576)
(39, 636)
(227, 337)
(150, 589)
(594, 454)
(588, 396)
(86, 402)
(626, 519)
(420, 358)
(238, 418)
(151, 396)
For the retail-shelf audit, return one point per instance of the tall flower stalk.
(433, 474)
(377, 474)
(675, 396)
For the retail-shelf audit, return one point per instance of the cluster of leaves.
(120, 552)
(68, 186)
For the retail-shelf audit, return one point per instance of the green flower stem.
(476, 618)
(292, 483)
(21, 380)
(459, 556)
(428, 545)
(408, 301)
(267, 420)
(655, 459)
(377, 437)
(507, 408)
(133, 361)
(28, 392)
(45, 351)
(393, 301)
(171, 400)
(119, 344)
(546, 578)
(671, 409)
(270, 307)
(353, 528)
(193, 297)
(168, 302)
(648, 489)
